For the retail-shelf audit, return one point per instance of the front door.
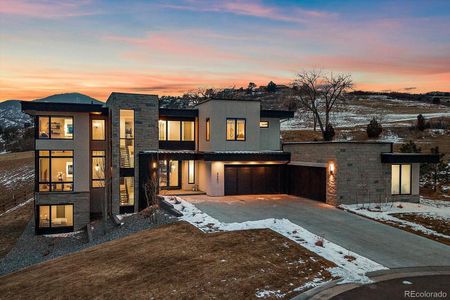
(170, 174)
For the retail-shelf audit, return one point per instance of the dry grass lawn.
(12, 225)
(175, 261)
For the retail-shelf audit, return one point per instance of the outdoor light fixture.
(154, 165)
(331, 168)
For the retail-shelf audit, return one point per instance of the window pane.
(62, 153)
(61, 128)
(406, 179)
(98, 183)
(98, 168)
(231, 130)
(162, 130)
(44, 216)
(44, 187)
(98, 129)
(174, 130)
(126, 124)
(208, 129)
(98, 153)
(44, 153)
(62, 215)
(44, 132)
(395, 183)
(44, 169)
(188, 131)
(163, 173)
(126, 190)
(126, 153)
(240, 132)
(191, 171)
(62, 170)
(173, 175)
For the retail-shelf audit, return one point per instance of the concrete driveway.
(389, 246)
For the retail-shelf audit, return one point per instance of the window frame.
(50, 182)
(208, 129)
(50, 228)
(37, 136)
(267, 122)
(400, 179)
(92, 166)
(129, 139)
(104, 129)
(236, 129)
(180, 121)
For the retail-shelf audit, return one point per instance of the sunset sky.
(169, 47)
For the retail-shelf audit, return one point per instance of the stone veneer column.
(146, 115)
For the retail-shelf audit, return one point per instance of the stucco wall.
(269, 138)
(359, 174)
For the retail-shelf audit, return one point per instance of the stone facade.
(80, 201)
(359, 175)
(146, 115)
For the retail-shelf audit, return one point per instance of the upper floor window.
(98, 168)
(401, 179)
(55, 170)
(208, 129)
(126, 129)
(235, 129)
(175, 130)
(264, 124)
(55, 127)
(98, 130)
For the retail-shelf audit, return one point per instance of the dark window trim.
(134, 187)
(50, 182)
(92, 175)
(37, 137)
(189, 170)
(235, 130)
(104, 129)
(52, 229)
(133, 138)
(208, 129)
(268, 124)
(400, 179)
(166, 121)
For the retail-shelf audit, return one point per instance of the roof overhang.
(178, 113)
(282, 114)
(396, 158)
(247, 156)
(30, 107)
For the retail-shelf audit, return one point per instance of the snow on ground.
(16, 207)
(350, 271)
(383, 212)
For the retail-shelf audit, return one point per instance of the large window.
(401, 180)
(169, 174)
(126, 138)
(98, 130)
(175, 130)
(53, 216)
(98, 169)
(126, 191)
(55, 171)
(235, 129)
(54, 127)
(208, 129)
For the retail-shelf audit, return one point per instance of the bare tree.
(151, 195)
(319, 93)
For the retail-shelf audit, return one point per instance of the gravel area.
(31, 249)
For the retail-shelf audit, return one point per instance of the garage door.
(244, 180)
(308, 182)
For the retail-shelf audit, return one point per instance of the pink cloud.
(45, 9)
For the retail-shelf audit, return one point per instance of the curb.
(331, 289)
(169, 208)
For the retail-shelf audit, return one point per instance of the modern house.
(94, 159)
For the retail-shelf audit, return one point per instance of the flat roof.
(178, 112)
(220, 155)
(409, 158)
(63, 107)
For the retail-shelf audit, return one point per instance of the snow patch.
(16, 207)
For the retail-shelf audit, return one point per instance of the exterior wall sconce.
(154, 165)
(331, 168)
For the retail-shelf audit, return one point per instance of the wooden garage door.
(308, 182)
(245, 180)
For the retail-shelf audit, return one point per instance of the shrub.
(421, 124)
(329, 133)
(374, 129)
